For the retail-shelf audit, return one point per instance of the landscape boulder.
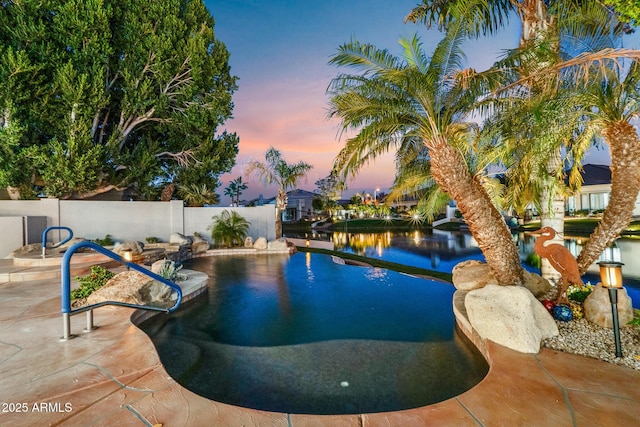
(261, 243)
(136, 248)
(199, 245)
(248, 242)
(178, 239)
(472, 274)
(597, 307)
(469, 275)
(510, 316)
(278, 245)
(134, 288)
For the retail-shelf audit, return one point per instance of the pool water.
(303, 334)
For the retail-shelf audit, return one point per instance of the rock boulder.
(134, 288)
(510, 316)
(261, 243)
(178, 239)
(199, 245)
(278, 245)
(597, 307)
(472, 274)
(136, 248)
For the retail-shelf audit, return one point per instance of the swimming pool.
(303, 334)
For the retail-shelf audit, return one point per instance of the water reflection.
(442, 250)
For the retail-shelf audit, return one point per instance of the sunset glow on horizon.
(280, 52)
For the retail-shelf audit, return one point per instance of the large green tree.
(112, 94)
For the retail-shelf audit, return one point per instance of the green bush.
(533, 259)
(107, 241)
(636, 318)
(579, 293)
(153, 240)
(229, 229)
(96, 279)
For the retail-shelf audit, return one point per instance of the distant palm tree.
(393, 102)
(275, 170)
(235, 189)
(229, 229)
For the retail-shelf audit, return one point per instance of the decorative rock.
(549, 305)
(536, 284)
(136, 248)
(509, 316)
(472, 274)
(278, 245)
(563, 313)
(248, 242)
(199, 245)
(261, 243)
(134, 288)
(31, 248)
(597, 307)
(73, 241)
(178, 239)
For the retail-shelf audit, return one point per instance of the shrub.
(153, 240)
(229, 229)
(578, 293)
(96, 279)
(636, 318)
(107, 241)
(171, 272)
(533, 259)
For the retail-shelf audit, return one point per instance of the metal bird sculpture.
(560, 258)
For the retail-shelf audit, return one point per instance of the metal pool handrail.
(65, 298)
(44, 238)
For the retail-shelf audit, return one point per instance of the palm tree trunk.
(485, 222)
(624, 147)
(278, 223)
(552, 212)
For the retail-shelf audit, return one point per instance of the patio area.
(113, 376)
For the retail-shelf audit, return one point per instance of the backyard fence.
(123, 221)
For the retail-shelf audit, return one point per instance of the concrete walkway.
(112, 376)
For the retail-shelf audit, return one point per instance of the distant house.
(594, 194)
(299, 204)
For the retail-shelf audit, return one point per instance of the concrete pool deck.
(113, 376)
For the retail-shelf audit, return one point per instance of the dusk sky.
(280, 50)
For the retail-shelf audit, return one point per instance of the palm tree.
(395, 102)
(275, 170)
(535, 149)
(615, 102)
(235, 189)
(229, 229)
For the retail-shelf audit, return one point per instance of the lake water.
(442, 250)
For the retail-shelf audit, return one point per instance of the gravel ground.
(587, 339)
